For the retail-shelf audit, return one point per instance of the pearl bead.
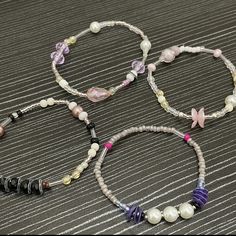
(217, 53)
(83, 115)
(63, 83)
(186, 211)
(168, 55)
(130, 77)
(95, 146)
(92, 152)
(152, 67)
(176, 50)
(50, 101)
(145, 45)
(66, 180)
(84, 165)
(95, 27)
(76, 111)
(154, 216)
(231, 99)
(2, 131)
(80, 168)
(43, 103)
(161, 99)
(72, 105)
(75, 174)
(229, 107)
(170, 214)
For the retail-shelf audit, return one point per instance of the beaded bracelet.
(153, 215)
(197, 117)
(38, 186)
(96, 94)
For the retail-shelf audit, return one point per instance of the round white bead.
(170, 214)
(95, 27)
(95, 146)
(161, 99)
(154, 216)
(43, 103)
(83, 115)
(130, 77)
(50, 101)
(92, 152)
(72, 105)
(231, 99)
(229, 107)
(186, 211)
(63, 83)
(145, 45)
(80, 168)
(84, 165)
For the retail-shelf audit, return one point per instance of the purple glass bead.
(200, 197)
(62, 46)
(58, 58)
(135, 213)
(138, 66)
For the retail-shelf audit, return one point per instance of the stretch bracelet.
(197, 117)
(38, 186)
(153, 215)
(96, 94)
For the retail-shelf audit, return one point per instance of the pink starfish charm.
(198, 117)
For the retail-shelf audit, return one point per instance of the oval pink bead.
(152, 67)
(108, 145)
(96, 94)
(2, 131)
(217, 53)
(168, 55)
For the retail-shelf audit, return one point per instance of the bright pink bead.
(187, 137)
(217, 53)
(152, 67)
(108, 145)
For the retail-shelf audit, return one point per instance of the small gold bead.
(66, 180)
(165, 105)
(71, 40)
(75, 174)
(159, 93)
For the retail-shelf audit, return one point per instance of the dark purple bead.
(58, 58)
(135, 213)
(200, 197)
(138, 66)
(62, 46)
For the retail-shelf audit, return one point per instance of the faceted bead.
(24, 186)
(12, 184)
(35, 188)
(66, 180)
(58, 58)
(62, 46)
(45, 184)
(96, 94)
(75, 174)
(138, 66)
(71, 40)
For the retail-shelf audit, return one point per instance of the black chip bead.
(35, 187)
(12, 184)
(24, 186)
(2, 181)
(19, 113)
(95, 140)
(12, 117)
(90, 126)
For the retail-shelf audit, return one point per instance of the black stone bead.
(12, 117)
(95, 140)
(12, 184)
(2, 181)
(24, 186)
(35, 187)
(19, 113)
(90, 126)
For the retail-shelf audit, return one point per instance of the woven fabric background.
(155, 170)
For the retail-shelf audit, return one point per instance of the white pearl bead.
(170, 214)
(50, 101)
(43, 103)
(130, 77)
(145, 45)
(92, 152)
(83, 115)
(63, 83)
(95, 27)
(161, 99)
(80, 168)
(229, 107)
(84, 165)
(186, 211)
(95, 146)
(154, 216)
(231, 99)
(72, 105)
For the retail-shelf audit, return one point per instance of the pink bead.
(217, 53)
(198, 117)
(2, 131)
(168, 55)
(76, 111)
(176, 50)
(126, 82)
(108, 145)
(97, 94)
(152, 67)
(187, 137)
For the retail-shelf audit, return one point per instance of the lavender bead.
(62, 46)
(200, 197)
(138, 66)
(58, 58)
(135, 213)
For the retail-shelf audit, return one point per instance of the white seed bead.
(170, 214)
(229, 107)
(72, 105)
(130, 77)
(50, 101)
(186, 210)
(95, 27)
(80, 168)
(92, 152)
(161, 99)
(83, 115)
(231, 99)
(95, 146)
(145, 45)
(84, 165)
(154, 216)
(63, 83)
(43, 103)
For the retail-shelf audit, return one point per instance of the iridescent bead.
(138, 66)
(62, 46)
(58, 58)
(95, 94)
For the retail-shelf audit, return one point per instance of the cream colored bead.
(84, 165)
(186, 211)
(170, 214)
(95, 146)
(75, 174)
(160, 93)
(165, 105)
(153, 216)
(83, 115)
(145, 45)
(63, 83)
(229, 107)
(92, 152)
(50, 101)
(80, 168)
(161, 99)
(231, 99)
(66, 180)
(43, 103)
(72, 105)
(71, 40)
(95, 27)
